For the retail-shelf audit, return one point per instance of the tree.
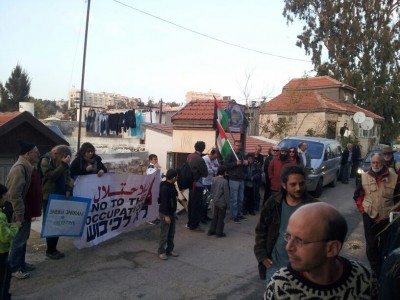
(18, 86)
(361, 40)
(4, 102)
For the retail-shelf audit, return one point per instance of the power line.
(208, 36)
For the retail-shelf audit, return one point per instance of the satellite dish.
(359, 117)
(367, 124)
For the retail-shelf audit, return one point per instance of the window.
(290, 119)
(367, 133)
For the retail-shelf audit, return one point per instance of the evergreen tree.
(18, 86)
(356, 42)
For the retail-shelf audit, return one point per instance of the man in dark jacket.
(235, 164)
(167, 210)
(271, 228)
(346, 162)
(199, 170)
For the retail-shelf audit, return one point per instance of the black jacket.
(267, 229)
(78, 166)
(167, 198)
(235, 171)
(345, 156)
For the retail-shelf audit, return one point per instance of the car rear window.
(314, 148)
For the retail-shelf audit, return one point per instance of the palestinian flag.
(222, 116)
(223, 143)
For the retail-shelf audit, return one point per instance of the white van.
(325, 161)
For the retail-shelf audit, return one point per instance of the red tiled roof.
(7, 116)
(251, 143)
(315, 82)
(311, 101)
(160, 127)
(197, 110)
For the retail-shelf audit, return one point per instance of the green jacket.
(7, 232)
(56, 179)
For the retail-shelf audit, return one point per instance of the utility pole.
(83, 77)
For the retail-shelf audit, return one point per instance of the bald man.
(315, 236)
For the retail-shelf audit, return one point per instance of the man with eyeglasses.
(315, 236)
(270, 241)
(25, 197)
(375, 196)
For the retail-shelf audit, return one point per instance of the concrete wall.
(159, 144)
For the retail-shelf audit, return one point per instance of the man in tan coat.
(25, 196)
(375, 196)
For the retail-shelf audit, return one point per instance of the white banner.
(65, 216)
(119, 202)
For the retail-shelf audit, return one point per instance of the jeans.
(346, 171)
(236, 193)
(167, 234)
(16, 256)
(270, 271)
(257, 197)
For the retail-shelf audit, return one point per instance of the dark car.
(365, 163)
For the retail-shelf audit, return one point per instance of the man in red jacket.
(275, 168)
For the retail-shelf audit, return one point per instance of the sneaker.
(220, 235)
(197, 229)
(173, 254)
(252, 213)
(55, 255)
(237, 221)
(210, 233)
(243, 218)
(29, 267)
(154, 222)
(21, 275)
(163, 256)
(187, 226)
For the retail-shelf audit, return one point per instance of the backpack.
(39, 164)
(185, 177)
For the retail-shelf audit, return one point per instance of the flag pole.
(230, 145)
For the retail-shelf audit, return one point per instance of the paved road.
(127, 266)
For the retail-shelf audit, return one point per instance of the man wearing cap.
(389, 159)
(275, 168)
(25, 196)
(375, 197)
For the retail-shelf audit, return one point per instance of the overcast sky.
(138, 55)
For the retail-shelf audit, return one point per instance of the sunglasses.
(291, 151)
(275, 150)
